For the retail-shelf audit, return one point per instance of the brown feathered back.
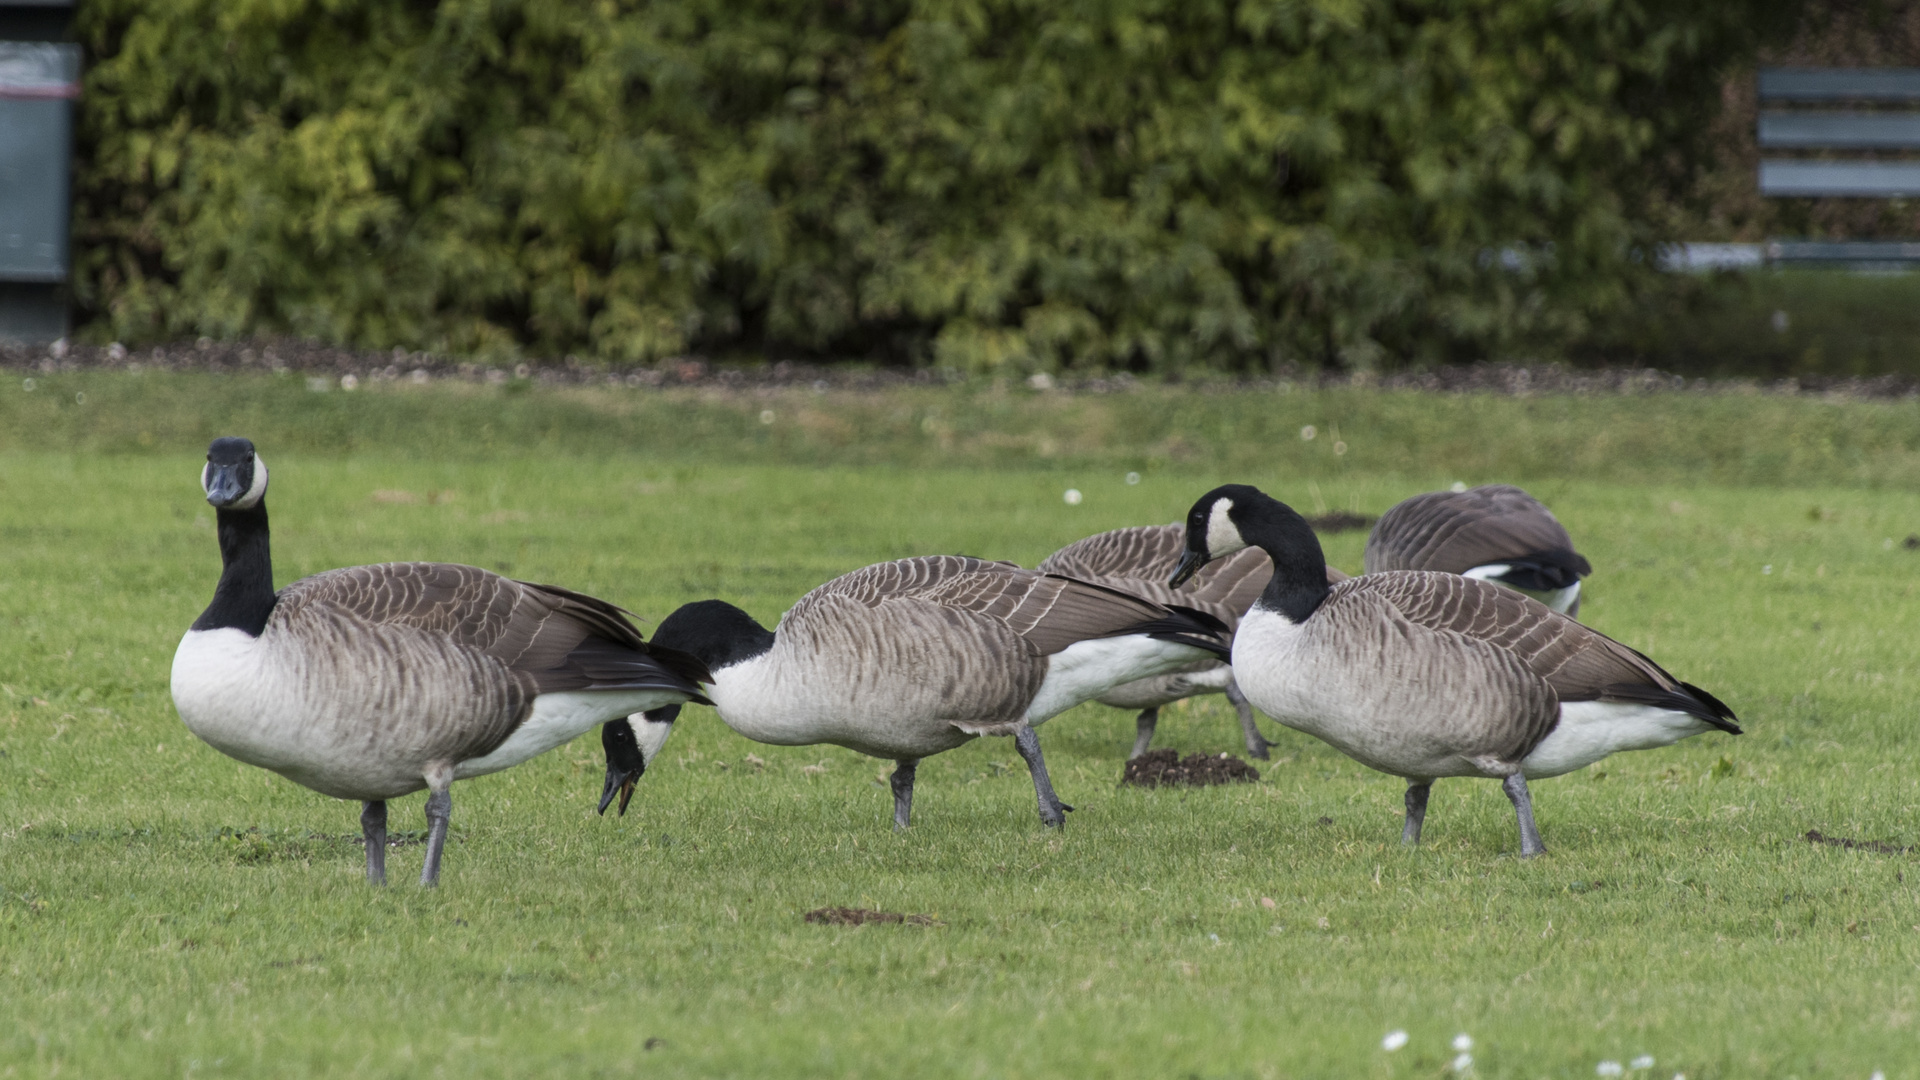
(1453, 532)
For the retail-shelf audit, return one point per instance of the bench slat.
(1844, 251)
(1841, 130)
(1871, 179)
(1839, 84)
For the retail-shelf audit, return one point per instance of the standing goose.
(372, 682)
(905, 659)
(1138, 560)
(1425, 675)
(1495, 533)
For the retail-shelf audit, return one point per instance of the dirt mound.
(853, 916)
(1165, 768)
(1341, 521)
(1814, 836)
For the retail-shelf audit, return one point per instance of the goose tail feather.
(1688, 699)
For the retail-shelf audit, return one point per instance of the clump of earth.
(1166, 768)
(848, 916)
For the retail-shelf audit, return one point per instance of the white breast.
(227, 695)
(1591, 730)
(788, 699)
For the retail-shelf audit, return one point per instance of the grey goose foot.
(1143, 726)
(1516, 788)
(902, 781)
(373, 831)
(1256, 743)
(1053, 812)
(1417, 792)
(439, 811)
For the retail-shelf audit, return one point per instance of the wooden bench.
(1792, 117)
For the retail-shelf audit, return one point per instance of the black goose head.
(1236, 516)
(1217, 526)
(234, 477)
(629, 752)
(718, 634)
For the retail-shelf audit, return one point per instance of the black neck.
(244, 598)
(1299, 582)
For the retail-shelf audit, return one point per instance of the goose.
(1495, 532)
(902, 660)
(1423, 675)
(372, 682)
(1138, 559)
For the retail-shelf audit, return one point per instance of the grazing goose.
(1425, 675)
(1138, 560)
(905, 659)
(375, 681)
(1495, 533)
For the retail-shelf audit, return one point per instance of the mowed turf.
(167, 911)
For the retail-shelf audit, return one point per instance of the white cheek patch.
(1223, 536)
(651, 735)
(257, 490)
(206, 478)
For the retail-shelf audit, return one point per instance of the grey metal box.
(38, 81)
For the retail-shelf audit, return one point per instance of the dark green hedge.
(1126, 183)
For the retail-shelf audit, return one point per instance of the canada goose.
(1495, 533)
(1138, 560)
(1424, 675)
(905, 659)
(372, 682)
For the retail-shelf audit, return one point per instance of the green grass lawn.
(167, 911)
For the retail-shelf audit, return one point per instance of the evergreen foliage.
(1148, 184)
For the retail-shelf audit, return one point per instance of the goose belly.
(1591, 730)
(1369, 699)
(887, 710)
(1211, 678)
(559, 718)
(363, 713)
(1087, 669)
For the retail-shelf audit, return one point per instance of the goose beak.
(1190, 563)
(223, 485)
(625, 764)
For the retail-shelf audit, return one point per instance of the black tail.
(1188, 627)
(1689, 699)
(599, 664)
(1543, 571)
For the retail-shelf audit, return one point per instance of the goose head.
(631, 745)
(1236, 516)
(234, 477)
(715, 632)
(1216, 527)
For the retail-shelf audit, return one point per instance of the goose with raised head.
(1424, 675)
(372, 682)
(1495, 532)
(1139, 559)
(905, 659)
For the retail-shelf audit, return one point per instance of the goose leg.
(1417, 792)
(1052, 810)
(439, 811)
(373, 830)
(1143, 726)
(903, 791)
(1516, 789)
(1256, 743)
